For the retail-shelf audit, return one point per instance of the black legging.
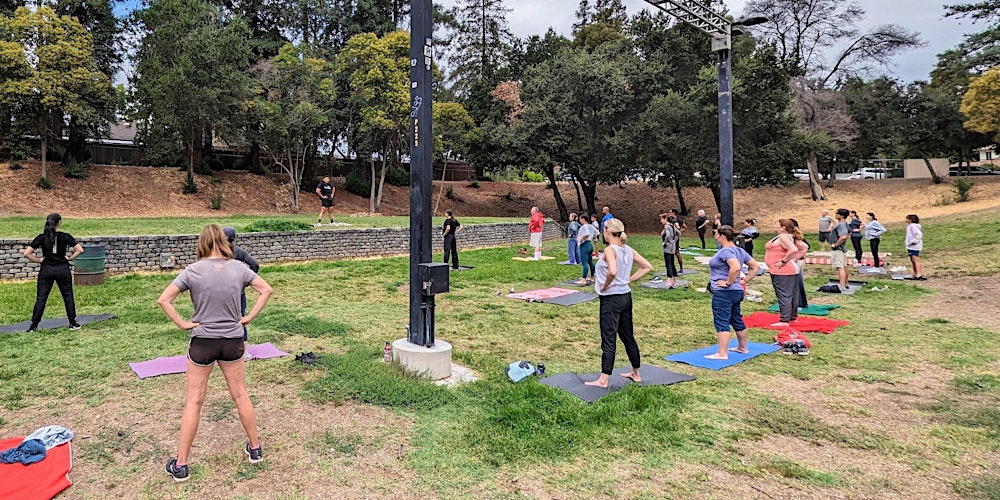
(856, 243)
(616, 322)
(668, 259)
(701, 235)
(61, 276)
(451, 249)
(748, 246)
(874, 243)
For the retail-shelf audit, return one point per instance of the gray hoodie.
(874, 229)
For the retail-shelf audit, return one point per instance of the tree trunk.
(190, 155)
(292, 167)
(76, 145)
(254, 158)
(590, 193)
(833, 174)
(208, 148)
(45, 144)
(579, 199)
(717, 195)
(371, 191)
(550, 172)
(197, 147)
(381, 182)
(930, 168)
(814, 182)
(680, 197)
(444, 173)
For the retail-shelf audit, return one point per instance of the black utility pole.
(421, 330)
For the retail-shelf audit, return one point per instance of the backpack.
(830, 288)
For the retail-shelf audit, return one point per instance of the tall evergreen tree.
(481, 43)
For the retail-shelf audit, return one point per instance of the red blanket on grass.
(790, 335)
(803, 324)
(42, 480)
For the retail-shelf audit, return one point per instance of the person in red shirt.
(535, 231)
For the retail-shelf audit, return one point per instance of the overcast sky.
(530, 17)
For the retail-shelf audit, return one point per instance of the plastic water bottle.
(388, 352)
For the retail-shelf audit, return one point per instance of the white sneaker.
(317, 224)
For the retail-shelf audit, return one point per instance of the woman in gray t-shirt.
(216, 282)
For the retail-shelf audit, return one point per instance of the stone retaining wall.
(127, 254)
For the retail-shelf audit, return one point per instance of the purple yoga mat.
(178, 364)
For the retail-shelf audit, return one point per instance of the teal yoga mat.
(813, 309)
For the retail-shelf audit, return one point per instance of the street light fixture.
(700, 15)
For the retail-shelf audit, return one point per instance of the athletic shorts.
(824, 237)
(326, 203)
(204, 352)
(838, 258)
(913, 253)
(535, 240)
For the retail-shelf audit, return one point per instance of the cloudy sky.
(531, 17)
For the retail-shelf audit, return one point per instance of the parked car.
(565, 176)
(960, 171)
(869, 173)
(801, 174)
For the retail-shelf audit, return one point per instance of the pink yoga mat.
(547, 293)
(178, 364)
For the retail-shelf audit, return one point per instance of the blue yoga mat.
(697, 358)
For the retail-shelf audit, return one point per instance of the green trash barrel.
(88, 268)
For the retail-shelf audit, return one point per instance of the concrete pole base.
(429, 362)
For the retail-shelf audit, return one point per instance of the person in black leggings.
(55, 269)
(857, 228)
(873, 233)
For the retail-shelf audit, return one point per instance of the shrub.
(529, 176)
(205, 168)
(43, 182)
(55, 154)
(276, 225)
(217, 200)
(397, 177)
(189, 186)
(474, 184)
(450, 194)
(963, 188)
(74, 170)
(358, 185)
(216, 181)
(15, 166)
(214, 163)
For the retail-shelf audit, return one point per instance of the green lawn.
(891, 405)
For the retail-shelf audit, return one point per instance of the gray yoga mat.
(574, 383)
(662, 285)
(574, 283)
(53, 323)
(854, 286)
(570, 299)
(681, 273)
(461, 268)
(872, 271)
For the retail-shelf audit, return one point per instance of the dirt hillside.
(113, 191)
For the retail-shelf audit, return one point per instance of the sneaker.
(254, 455)
(180, 473)
(656, 280)
(788, 348)
(32, 329)
(317, 224)
(74, 326)
(800, 348)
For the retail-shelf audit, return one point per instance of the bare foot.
(633, 377)
(716, 356)
(581, 282)
(780, 323)
(597, 383)
(741, 351)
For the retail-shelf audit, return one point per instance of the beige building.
(916, 168)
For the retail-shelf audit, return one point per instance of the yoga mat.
(802, 324)
(571, 299)
(813, 309)
(697, 358)
(662, 285)
(680, 273)
(574, 384)
(178, 364)
(576, 284)
(461, 268)
(41, 480)
(546, 293)
(853, 286)
(53, 323)
(529, 259)
(899, 277)
(872, 271)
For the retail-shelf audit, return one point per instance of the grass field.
(892, 405)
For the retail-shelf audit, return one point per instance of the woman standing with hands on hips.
(727, 290)
(216, 282)
(612, 285)
(780, 255)
(873, 233)
(55, 269)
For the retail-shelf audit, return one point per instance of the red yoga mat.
(803, 324)
(41, 480)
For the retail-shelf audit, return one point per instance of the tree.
(377, 70)
(48, 73)
(876, 107)
(981, 104)
(191, 80)
(454, 130)
(979, 50)
(296, 98)
(480, 44)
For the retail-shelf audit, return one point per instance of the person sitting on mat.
(585, 237)
(54, 269)
(216, 282)
(727, 290)
(612, 285)
(780, 255)
(244, 257)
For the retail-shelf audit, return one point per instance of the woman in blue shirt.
(727, 290)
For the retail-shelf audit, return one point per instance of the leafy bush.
(358, 185)
(529, 176)
(474, 183)
(963, 188)
(397, 177)
(74, 170)
(15, 166)
(217, 201)
(275, 225)
(43, 182)
(19, 150)
(189, 187)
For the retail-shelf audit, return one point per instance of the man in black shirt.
(243, 256)
(701, 224)
(450, 229)
(325, 191)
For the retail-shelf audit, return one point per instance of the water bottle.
(388, 352)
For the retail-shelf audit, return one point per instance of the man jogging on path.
(325, 191)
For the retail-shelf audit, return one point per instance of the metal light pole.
(421, 330)
(700, 15)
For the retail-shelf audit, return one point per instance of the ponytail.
(49, 235)
(617, 228)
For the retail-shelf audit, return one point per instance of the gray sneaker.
(800, 348)
(254, 455)
(179, 473)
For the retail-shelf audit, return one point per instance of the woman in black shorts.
(216, 282)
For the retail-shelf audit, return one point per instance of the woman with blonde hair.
(216, 282)
(612, 285)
